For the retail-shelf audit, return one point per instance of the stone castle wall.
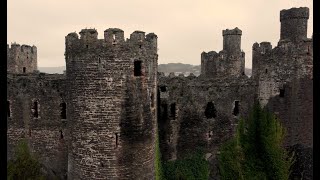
(111, 98)
(21, 59)
(114, 101)
(35, 113)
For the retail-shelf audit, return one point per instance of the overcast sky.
(185, 28)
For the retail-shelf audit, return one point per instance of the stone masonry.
(100, 119)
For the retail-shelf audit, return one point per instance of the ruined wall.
(194, 122)
(111, 104)
(285, 83)
(228, 62)
(42, 125)
(21, 59)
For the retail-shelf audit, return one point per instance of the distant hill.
(177, 68)
(186, 69)
(52, 70)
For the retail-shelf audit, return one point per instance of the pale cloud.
(185, 28)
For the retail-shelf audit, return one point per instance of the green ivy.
(24, 166)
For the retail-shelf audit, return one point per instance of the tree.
(24, 166)
(256, 151)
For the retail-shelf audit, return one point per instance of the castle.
(100, 119)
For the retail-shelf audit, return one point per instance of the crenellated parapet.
(294, 24)
(21, 59)
(113, 40)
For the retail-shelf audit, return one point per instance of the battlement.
(294, 13)
(235, 31)
(22, 48)
(113, 37)
(294, 24)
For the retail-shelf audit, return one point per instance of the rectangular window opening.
(24, 69)
(173, 110)
(236, 108)
(8, 109)
(63, 112)
(35, 109)
(137, 68)
(281, 93)
(210, 111)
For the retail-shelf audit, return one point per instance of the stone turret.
(294, 24)
(21, 59)
(232, 40)
(111, 104)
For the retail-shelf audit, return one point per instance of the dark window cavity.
(152, 99)
(29, 132)
(63, 112)
(210, 111)
(24, 69)
(266, 71)
(163, 88)
(117, 139)
(8, 109)
(35, 109)
(236, 108)
(87, 46)
(137, 68)
(281, 93)
(61, 134)
(173, 110)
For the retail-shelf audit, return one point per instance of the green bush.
(256, 151)
(24, 166)
(193, 167)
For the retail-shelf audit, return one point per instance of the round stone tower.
(294, 23)
(111, 104)
(232, 41)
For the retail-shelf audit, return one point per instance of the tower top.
(235, 31)
(294, 13)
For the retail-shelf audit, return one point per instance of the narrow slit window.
(266, 71)
(137, 68)
(61, 134)
(210, 111)
(308, 49)
(117, 139)
(281, 93)
(114, 37)
(99, 59)
(24, 69)
(236, 108)
(63, 113)
(152, 100)
(173, 110)
(35, 109)
(8, 109)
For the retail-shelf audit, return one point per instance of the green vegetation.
(256, 152)
(158, 163)
(24, 166)
(193, 167)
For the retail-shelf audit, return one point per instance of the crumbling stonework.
(21, 59)
(111, 96)
(99, 120)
